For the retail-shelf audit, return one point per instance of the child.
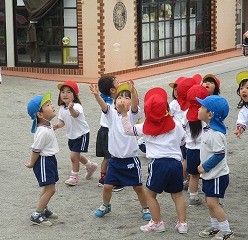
(124, 167)
(194, 129)
(71, 116)
(107, 86)
(212, 83)
(242, 91)
(213, 168)
(179, 115)
(43, 160)
(163, 138)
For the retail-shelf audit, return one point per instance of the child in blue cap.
(43, 160)
(213, 168)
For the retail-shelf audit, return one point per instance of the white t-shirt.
(190, 142)
(176, 112)
(75, 127)
(104, 120)
(45, 141)
(243, 116)
(214, 142)
(121, 145)
(165, 145)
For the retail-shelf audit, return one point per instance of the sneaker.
(195, 202)
(117, 189)
(223, 236)
(40, 219)
(49, 214)
(102, 210)
(153, 227)
(101, 182)
(208, 232)
(182, 227)
(73, 180)
(90, 170)
(146, 215)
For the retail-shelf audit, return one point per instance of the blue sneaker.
(40, 219)
(146, 215)
(102, 210)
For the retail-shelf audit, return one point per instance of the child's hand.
(29, 165)
(200, 169)
(122, 108)
(131, 86)
(70, 105)
(94, 89)
(239, 131)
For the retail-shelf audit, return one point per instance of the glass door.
(2, 34)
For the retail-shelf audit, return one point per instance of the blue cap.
(218, 105)
(34, 106)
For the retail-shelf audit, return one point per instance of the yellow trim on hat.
(241, 76)
(124, 86)
(46, 97)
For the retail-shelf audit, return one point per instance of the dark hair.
(212, 80)
(105, 83)
(123, 93)
(173, 94)
(242, 102)
(75, 96)
(195, 128)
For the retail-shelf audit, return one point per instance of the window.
(2, 34)
(170, 28)
(56, 36)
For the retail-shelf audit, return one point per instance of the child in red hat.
(194, 128)
(163, 139)
(71, 115)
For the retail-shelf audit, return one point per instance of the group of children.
(184, 141)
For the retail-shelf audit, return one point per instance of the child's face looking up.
(243, 91)
(210, 86)
(123, 99)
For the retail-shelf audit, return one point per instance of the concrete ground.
(76, 205)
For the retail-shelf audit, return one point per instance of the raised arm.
(134, 97)
(94, 90)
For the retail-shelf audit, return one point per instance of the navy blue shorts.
(193, 161)
(123, 172)
(102, 143)
(183, 150)
(165, 175)
(215, 187)
(46, 170)
(80, 144)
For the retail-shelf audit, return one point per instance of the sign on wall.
(119, 16)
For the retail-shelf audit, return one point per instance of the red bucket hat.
(196, 91)
(172, 84)
(70, 84)
(182, 89)
(158, 119)
(198, 78)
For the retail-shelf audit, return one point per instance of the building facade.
(96, 37)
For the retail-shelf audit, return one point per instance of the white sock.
(74, 173)
(214, 223)
(224, 226)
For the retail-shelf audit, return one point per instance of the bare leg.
(140, 191)
(107, 193)
(75, 156)
(45, 196)
(153, 205)
(180, 206)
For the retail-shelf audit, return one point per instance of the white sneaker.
(153, 227)
(182, 227)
